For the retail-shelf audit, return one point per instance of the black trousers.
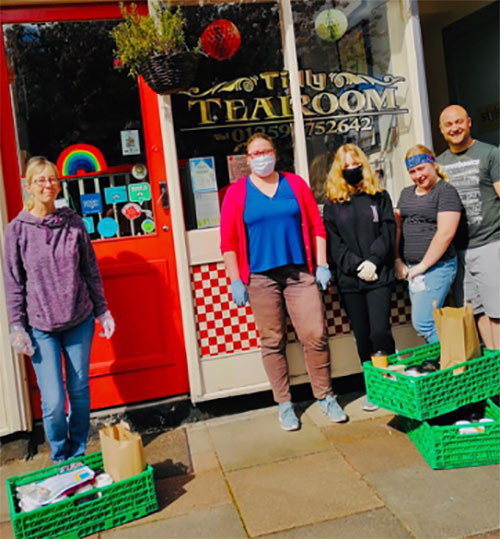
(369, 312)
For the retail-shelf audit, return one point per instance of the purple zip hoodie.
(52, 281)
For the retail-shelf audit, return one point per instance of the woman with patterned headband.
(427, 215)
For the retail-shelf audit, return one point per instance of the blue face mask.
(263, 165)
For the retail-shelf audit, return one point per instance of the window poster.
(202, 170)
(130, 142)
(207, 209)
(237, 166)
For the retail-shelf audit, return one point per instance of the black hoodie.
(361, 229)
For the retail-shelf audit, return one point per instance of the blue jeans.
(67, 438)
(438, 280)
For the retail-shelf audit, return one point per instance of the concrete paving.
(242, 476)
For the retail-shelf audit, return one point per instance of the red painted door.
(146, 357)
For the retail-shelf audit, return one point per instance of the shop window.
(74, 107)
(241, 89)
(347, 88)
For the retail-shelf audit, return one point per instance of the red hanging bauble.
(221, 39)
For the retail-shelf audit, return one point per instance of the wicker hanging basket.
(170, 73)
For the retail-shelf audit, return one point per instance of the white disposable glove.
(108, 325)
(21, 341)
(367, 271)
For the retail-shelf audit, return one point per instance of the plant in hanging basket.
(155, 47)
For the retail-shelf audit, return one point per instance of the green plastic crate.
(86, 513)
(438, 393)
(446, 447)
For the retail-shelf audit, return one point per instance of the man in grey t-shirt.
(473, 168)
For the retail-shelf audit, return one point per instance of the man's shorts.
(482, 279)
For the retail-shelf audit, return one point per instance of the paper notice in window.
(207, 209)
(237, 167)
(202, 170)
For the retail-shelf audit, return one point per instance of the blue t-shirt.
(273, 227)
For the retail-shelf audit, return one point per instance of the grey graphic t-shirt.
(473, 173)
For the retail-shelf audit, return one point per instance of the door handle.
(164, 195)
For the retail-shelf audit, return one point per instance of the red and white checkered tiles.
(223, 328)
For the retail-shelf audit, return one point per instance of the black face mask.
(353, 175)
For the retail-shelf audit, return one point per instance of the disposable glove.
(323, 276)
(108, 325)
(367, 271)
(239, 293)
(21, 341)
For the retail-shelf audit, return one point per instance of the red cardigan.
(232, 227)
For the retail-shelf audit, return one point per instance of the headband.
(415, 160)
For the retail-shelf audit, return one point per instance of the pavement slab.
(351, 403)
(441, 503)
(168, 453)
(374, 445)
(260, 439)
(201, 450)
(6, 531)
(183, 494)
(376, 524)
(295, 492)
(215, 523)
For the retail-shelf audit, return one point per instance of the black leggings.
(369, 312)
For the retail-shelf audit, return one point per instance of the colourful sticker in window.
(91, 203)
(131, 211)
(139, 192)
(148, 226)
(115, 195)
(107, 227)
(89, 224)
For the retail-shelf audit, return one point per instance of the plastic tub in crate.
(457, 446)
(424, 397)
(86, 513)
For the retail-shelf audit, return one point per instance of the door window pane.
(241, 88)
(66, 93)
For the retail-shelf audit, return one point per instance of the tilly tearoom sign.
(336, 102)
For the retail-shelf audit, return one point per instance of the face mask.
(353, 175)
(263, 166)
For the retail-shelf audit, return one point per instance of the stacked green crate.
(418, 399)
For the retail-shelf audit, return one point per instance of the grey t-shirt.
(419, 219)
(473, 173)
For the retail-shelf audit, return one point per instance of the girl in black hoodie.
(361, 231)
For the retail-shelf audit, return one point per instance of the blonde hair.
(35, 165)
(337, 189)
(420, 149)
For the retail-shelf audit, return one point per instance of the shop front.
(148, 174)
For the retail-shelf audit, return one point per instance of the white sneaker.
(368, 406)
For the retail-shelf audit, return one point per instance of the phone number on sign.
(329, 127)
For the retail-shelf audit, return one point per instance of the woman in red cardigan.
(270, 227)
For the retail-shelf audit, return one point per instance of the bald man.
(473, 168)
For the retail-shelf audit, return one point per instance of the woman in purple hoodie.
(54, 291)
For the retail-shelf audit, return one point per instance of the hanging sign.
(115, 195)
(202, 171)
(131, 211)
(89, 224)
(139, 192)
(91, 203)
(130, 142)
(107, 227)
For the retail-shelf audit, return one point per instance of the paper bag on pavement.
(458, 335)
(122, 451)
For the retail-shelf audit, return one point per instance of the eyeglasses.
(260, 153)
(43, 181)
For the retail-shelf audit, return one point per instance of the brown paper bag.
(458, 335)
(122, 451)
